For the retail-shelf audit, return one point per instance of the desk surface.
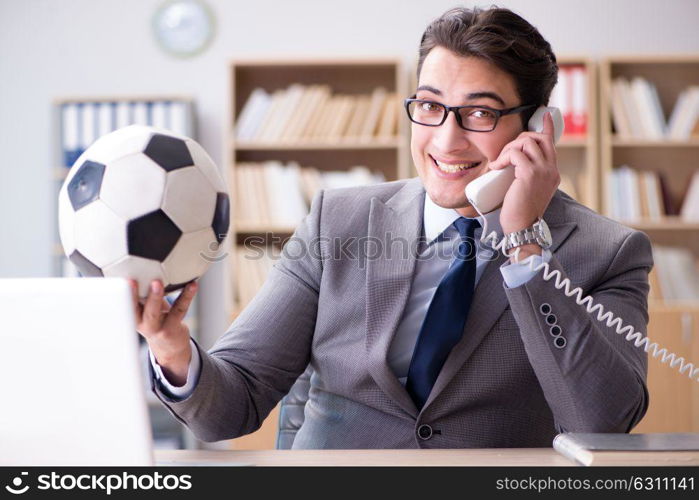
(487, 457)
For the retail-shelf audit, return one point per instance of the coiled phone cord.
(603, 316)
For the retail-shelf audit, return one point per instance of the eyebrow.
(471, 96)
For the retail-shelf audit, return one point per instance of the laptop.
(71, 375)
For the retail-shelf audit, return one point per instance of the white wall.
(58, 48)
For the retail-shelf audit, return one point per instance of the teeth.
(455, 167)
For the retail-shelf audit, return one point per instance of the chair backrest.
(291, 410)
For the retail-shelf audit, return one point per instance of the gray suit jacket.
(505, 384)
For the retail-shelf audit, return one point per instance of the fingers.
(181, 306)
(508, 155)
(138, 309)
(538, 148)
(152, 318)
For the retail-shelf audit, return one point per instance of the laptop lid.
(70, 374)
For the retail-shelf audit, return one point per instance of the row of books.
(84, 122)
(273, 193)
(311, 113)
(570, 95)
(633, 194)
(638, 114)
(675, 274)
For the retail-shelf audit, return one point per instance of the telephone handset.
(487, 192)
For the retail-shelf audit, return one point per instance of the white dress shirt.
(433, 261)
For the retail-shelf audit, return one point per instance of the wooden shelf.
(340, 145)
(644, 143)
(672, 223)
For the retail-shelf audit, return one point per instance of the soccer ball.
(143, 203)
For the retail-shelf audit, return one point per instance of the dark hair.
(503, 38)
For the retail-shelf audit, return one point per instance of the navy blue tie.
(446, 316)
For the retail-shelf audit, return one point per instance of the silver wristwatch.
(537, 233)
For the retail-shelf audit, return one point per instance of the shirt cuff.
(192, 375)
(518, 273)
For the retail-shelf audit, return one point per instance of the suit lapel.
(389, 279)
(489, 302)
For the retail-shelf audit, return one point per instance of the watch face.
(183, 27)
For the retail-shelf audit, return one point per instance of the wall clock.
(183, 28)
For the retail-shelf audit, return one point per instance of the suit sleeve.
(593, 379)
(267, 347)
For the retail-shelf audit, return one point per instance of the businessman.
(425, 338)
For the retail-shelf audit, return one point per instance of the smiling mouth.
(455, 167)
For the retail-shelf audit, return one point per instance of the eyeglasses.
(473, 118)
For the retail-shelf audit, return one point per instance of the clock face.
(183, 27)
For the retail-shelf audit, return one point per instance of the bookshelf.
(673, 160)
(674, 324)
(77, 123)
(384, 151)
(349, 79)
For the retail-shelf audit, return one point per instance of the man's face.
(454, 80)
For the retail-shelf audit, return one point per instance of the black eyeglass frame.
(498, 112)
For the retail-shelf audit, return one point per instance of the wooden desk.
(472, 457)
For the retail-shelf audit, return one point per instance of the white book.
(295, 203)
(299, 119)
(243, 122)
(690, 205)
(140, 113)
(632, 111)
(259, 112)
(387, 123)
(88, 124)
(70, 137)
(651, 187)
(645, 108)
(688, 115)
(105, 118)
(181, 118)
(266, 120)
(378, 96)
(631, 187)
(159, 115)
(288, 110)
(123, 114)
(276, 191)
(619, 116)
(659, 120)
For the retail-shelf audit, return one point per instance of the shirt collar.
(437, 219)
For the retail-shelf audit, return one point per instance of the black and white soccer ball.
(143, 203)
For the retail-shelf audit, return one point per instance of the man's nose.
(449, 136)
